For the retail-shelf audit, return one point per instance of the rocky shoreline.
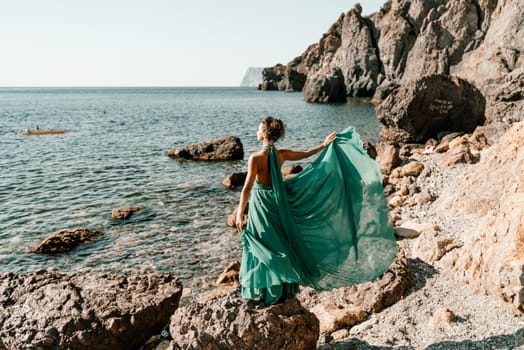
(456, 198)
(425, 302)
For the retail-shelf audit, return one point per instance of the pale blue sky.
(156, 42)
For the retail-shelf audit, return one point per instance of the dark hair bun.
(274, 128)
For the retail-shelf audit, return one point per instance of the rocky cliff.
(478, 40)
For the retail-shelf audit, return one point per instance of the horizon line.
(121, 86)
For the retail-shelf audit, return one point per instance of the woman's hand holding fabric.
(330, 138)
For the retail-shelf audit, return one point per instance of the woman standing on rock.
(326, 227)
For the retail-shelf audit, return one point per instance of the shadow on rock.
(502, 341)
(354, 344)
(421, 271)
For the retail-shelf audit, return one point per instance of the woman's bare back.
(263, 175)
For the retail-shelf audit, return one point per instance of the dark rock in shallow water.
(235, 180)
(50, 310)
(226, 321)
(424, 108)
(65, 240)
(223, 148)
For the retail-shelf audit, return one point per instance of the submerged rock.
(226, 321)
(223, 148)
(51, 310)
(65, 240)
(120, 214)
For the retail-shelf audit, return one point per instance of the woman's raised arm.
(287, 154)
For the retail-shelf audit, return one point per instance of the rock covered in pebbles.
(492, 195)
(50, 310)
(65, 240)
(226, 321)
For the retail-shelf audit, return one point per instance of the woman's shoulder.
(283, 152)
(258, 155)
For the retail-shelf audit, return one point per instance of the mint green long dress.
(326, 227)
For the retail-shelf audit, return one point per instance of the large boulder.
(223, 148)
(65, 240)
(223, 320)
(51, 310)
(430, 105)
(491, 195)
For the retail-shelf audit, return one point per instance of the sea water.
(114, 155)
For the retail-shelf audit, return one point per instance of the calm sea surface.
(114, 156)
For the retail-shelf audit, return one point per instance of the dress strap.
(306, 271)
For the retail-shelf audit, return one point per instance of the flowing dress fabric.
(327, 227)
